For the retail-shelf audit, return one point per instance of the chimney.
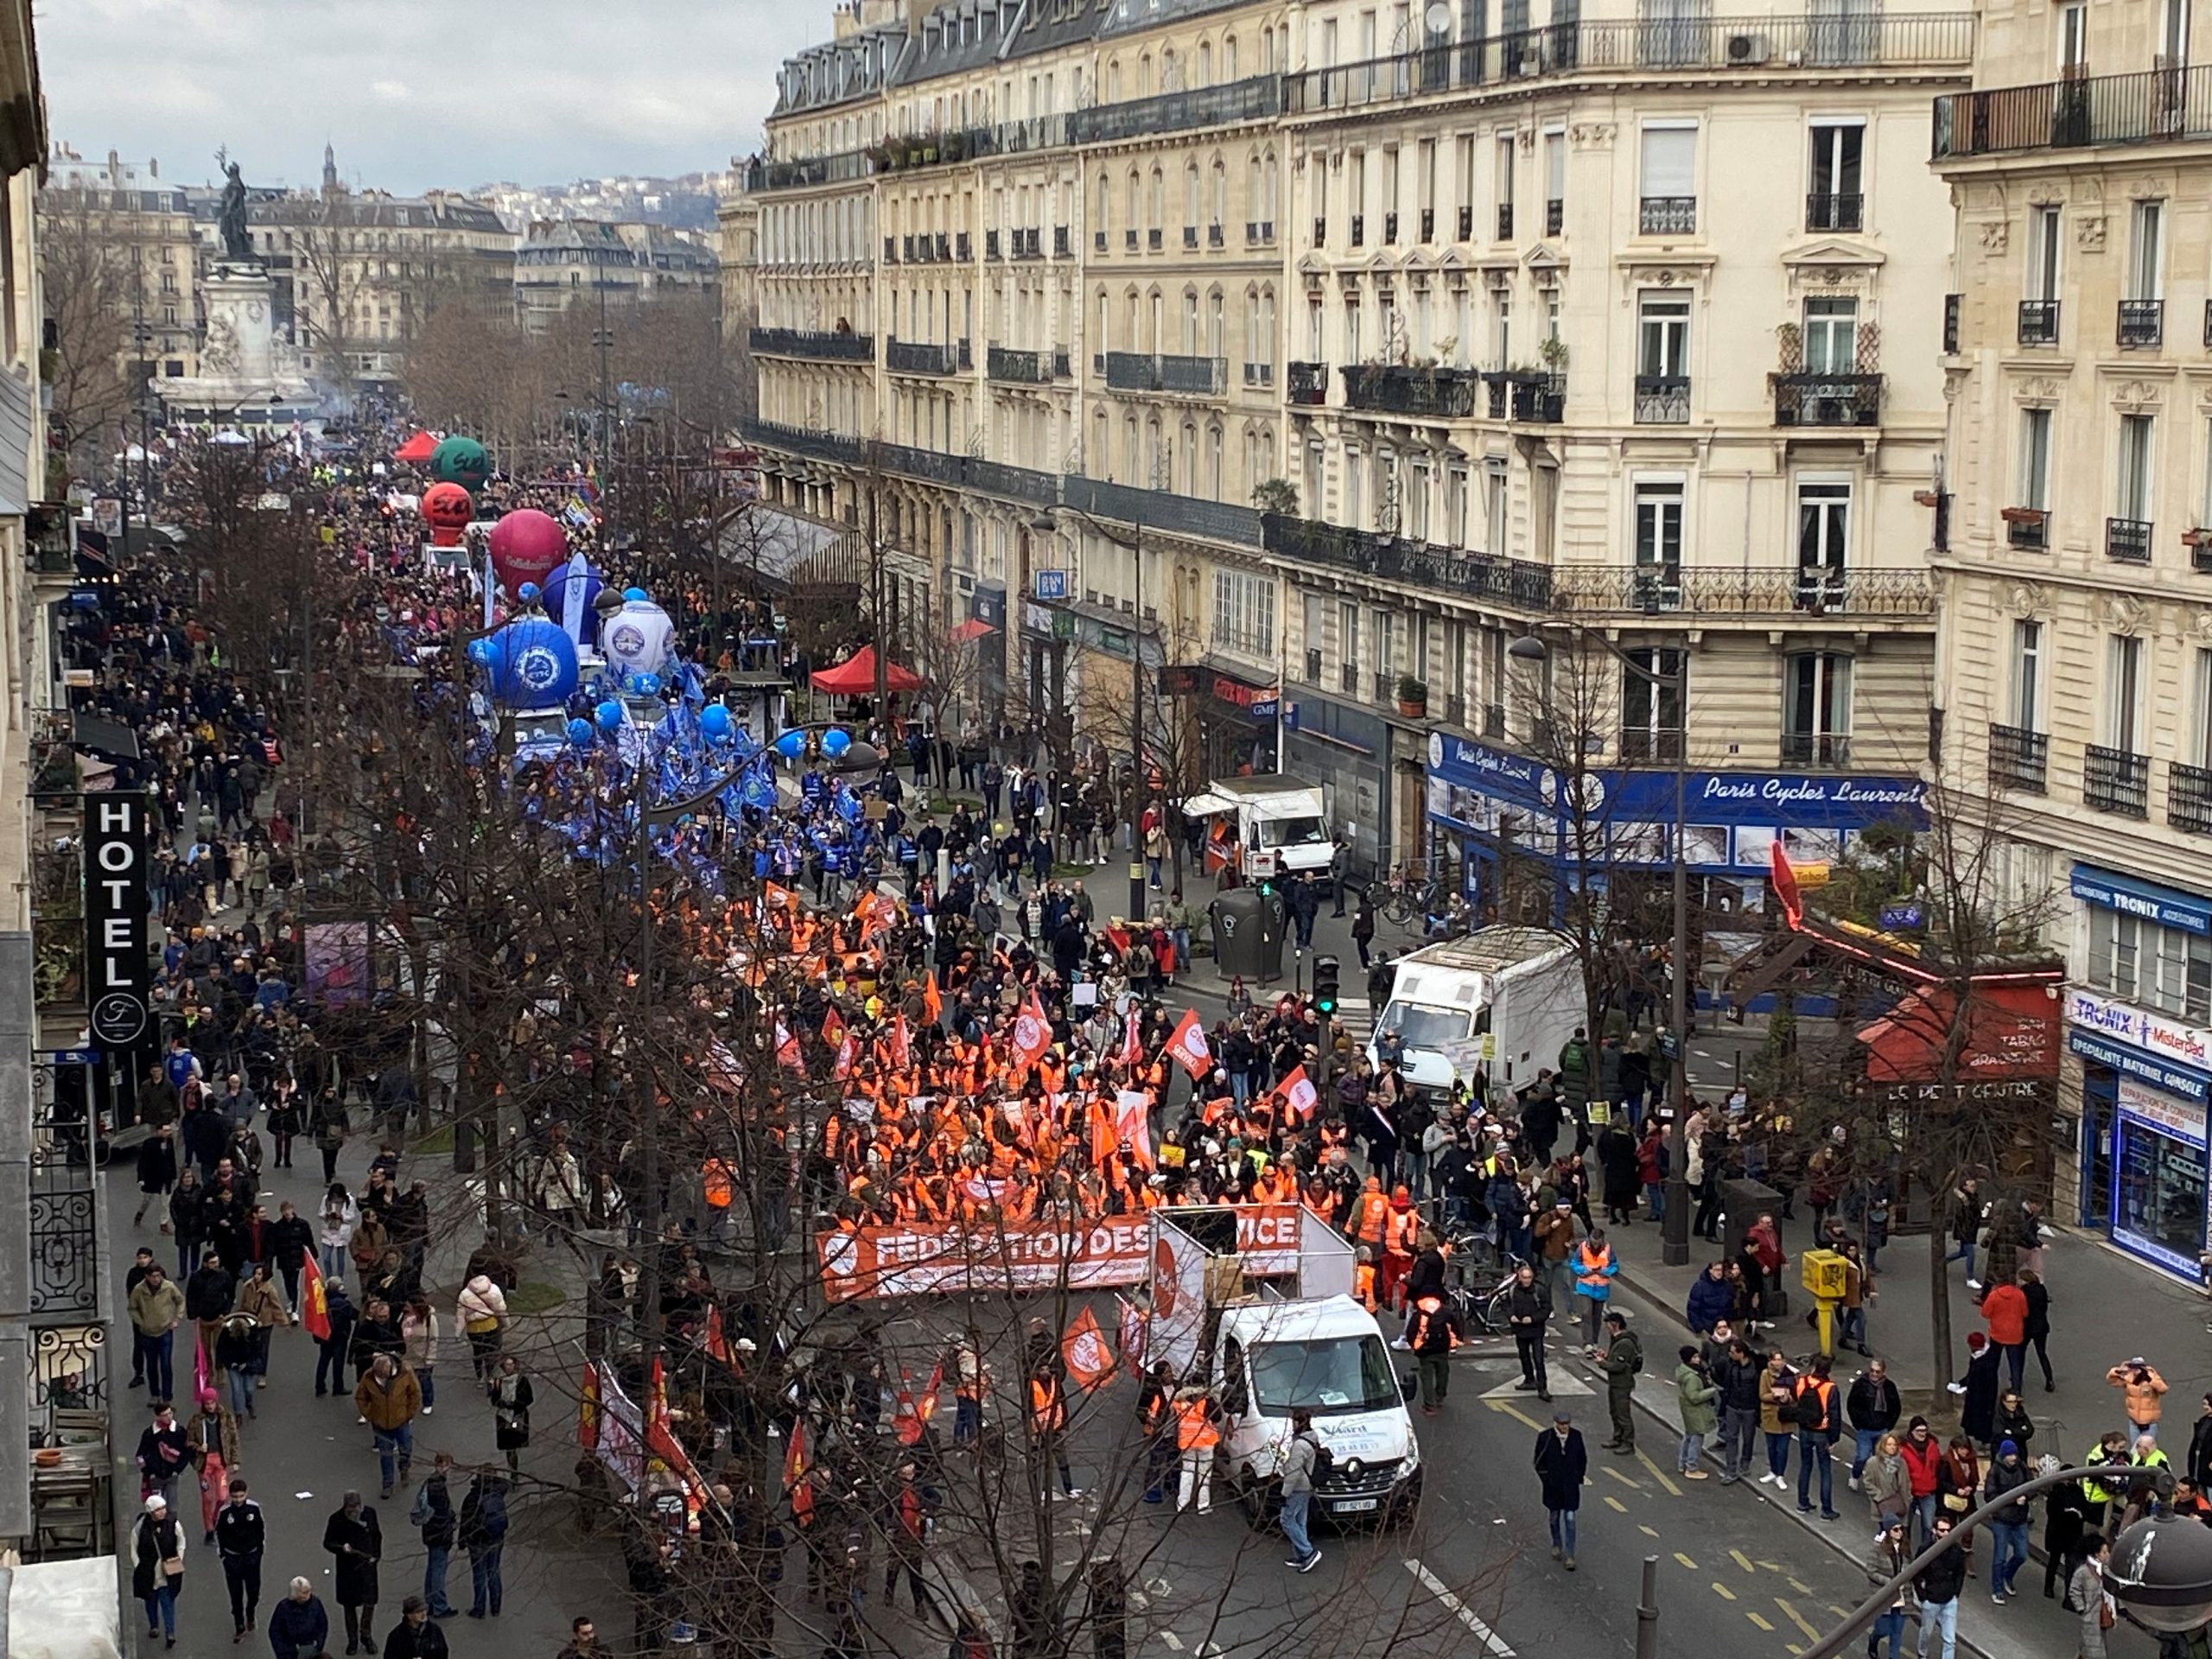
(153, 167)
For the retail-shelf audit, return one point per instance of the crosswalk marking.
(1756, 1620)
(1489, 1637)
(1615, 1503)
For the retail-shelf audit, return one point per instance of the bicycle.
(1406, 898)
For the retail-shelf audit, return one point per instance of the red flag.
(832, 1028)
(787, 1049)
(925, 1406)
(1296, 1094)
(717, 1344)
(1189, 1047)
(1132, 1050)
(314, 1306)
(587, 1417)
(906, 1415)
(796, 1469)
(1033, 1032)
(847, 1051)
(902, 1043)
(1785, 883)
(1084, 1347)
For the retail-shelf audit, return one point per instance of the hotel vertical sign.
(116, 919)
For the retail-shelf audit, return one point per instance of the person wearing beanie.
(2008, 1528)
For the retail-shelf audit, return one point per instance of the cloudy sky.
(416, 93)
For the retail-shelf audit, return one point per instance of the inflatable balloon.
(714, 721)
(633, 594)
(463, 461)
(792, 745)
(573, 584)
(525, 546)
(532, 664)
(446, 509)
(609, 715)
(637, 639)
(529, 594)
(579, 733)
(836, 742)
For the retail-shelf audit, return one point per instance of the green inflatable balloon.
(463, 461)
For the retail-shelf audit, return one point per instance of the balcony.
(1017, 368)
(2189, 798)
(1348, 679)
(1305, 384)
(915, 357)
(2038, 322)
(1189, 377)
(1359, 229)
(1029, 243)
(1189, 238)
(2153, 106)
(2116, 781)
(1390, 389)
(2128, 540)
(2027, 528)
(961, 247)
(890, 250)
(1835, 213)
(1554, 216)
(1214, 238)
(1667, 215)
(2019, 759)
(1390, 230)
(1320, 232)
(1062, 370)
(1493, 721)
(945, 247)
(1062, 247)
(1466, 225)
(1826, 399)
(841, 168)
(1384, 687)
(1313, 665)
(821, 346)
(1155, 239)
(1775, 590)
(1129, 240)
(1418, 564)
(2140, 324)
(1254, 99)
(1538, 398)
(1951, 303)
(1505, 221)
(1663, 399)
(1830, 751)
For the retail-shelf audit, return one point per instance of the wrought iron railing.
(1751, 590)
(2189, 798)
(1201, 377)
(1541, 399)
(1445, 394)
(920, 357)
(2019, 759)
(1483, 575)
(1951, 303)
(1841, 211)
(1827, 399)
(814, 343)
(1830, 749)
(1667, 215)
(2116, 780)
(1030, 368)
(2161, 105)
(2038, 322)
(2140, 323)
(2128, 540)
(63, 1276)
(1306, 384)
(1663, 399)
(2028, 529)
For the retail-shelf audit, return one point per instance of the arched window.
(1144, 76)
(1189, 458)
(1216, 325)
(1132, 462)
(1206, 63)
(1132, 341)
(1159, 216)
(1189, 322)
(1213, 462)
(1103, 224)
(1135, 213)
(1229, 58)
(1267, 188)
(1220, 196)
(1098, 462)
(1252, 348)
(1114, 81)
(1267, 353)
(1191, 198)
(1170, 79)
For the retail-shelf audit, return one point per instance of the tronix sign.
(116, 905)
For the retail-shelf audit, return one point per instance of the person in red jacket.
(2005, 1310)
(1924, 1460)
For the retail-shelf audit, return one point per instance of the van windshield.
(1418, 1025)
(1328, 1376)
(1288, 832)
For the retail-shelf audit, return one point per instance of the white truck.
(1256, 1303)
(1500, 1001)
(1277, 822)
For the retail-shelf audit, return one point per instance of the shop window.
(2167, 969)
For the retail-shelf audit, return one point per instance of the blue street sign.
(1052, 584)
(67, 1056)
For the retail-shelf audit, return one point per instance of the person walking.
(164, 1451)
(438, 1524)
(1937, 1588)
(1594, 1266)
(414, 1636)
(1198, 1432)
(484, 1536)
(1820, 1425)
(353, 1537)
(299, 1625)
(1740, 1381)
(1624, 1359)
(1695, 1392)
(418, 1332)
(156, 1172)
(330, 1351)
(1888, 1561)
(1300, 1459)
(341, 1219)
(390, 1399)
(1777, 1384)
(290, 1240)
(2008, 1527)
(2086, 1591)
(480, 1310)
(509, 1393)
(2005, 1312)
(1887, 1484)
(1527, 1309)
(240, 1537)
(1873, 1407)
(1432, 1338)
(156, 1308)
(2038, 1328)
(1562, 1464)
(157, 1567)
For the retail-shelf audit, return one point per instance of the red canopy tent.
(856, 677)
(419, 448)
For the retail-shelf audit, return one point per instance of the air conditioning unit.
(1746, 50)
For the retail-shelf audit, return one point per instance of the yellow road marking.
(1742, 1560)
(1632, 1486)
(1514, 1411)
(1685, 1561)
(1761, 1623)
(1772, 1567)
(1802, 1589)
(1644, 1459)
(1721, 1589)
(1649, 1532)
(1841, 1612)
(1617, 1505)
(1793, 1647)
(1798, 1619)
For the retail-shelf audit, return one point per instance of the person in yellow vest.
(1198, 1433)
(1048, 1419)
(1594, 1265)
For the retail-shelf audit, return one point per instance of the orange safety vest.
(1404, 1229)
(1589, 1266)
(1373, 1216)
(1046, 1413)
(716, 1174)
(1362, 1285)
(1194, 1430)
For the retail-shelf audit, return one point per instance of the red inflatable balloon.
(525, 546)
(447, 508)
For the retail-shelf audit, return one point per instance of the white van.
(1502, 1001)
(1280, 824)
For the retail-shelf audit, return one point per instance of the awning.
(974, 628)
(856, 677)
(2011, 1031)
(1205, 804)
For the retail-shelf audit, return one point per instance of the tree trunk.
(1939, 1298)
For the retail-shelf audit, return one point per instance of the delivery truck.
(1266, 826)
(1500, 1002)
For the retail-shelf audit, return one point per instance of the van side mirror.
(1407, 1388)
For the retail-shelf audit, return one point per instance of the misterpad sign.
(115, 919)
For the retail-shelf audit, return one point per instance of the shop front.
(1236, 716)
(1347, 751)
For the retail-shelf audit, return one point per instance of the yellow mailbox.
(1824, 1274)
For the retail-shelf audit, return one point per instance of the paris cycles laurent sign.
(116, 906)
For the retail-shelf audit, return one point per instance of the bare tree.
(89, 286)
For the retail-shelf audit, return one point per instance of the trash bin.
(1247, 934)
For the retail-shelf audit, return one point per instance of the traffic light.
(1325, 986)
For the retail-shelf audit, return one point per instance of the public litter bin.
(1247, 934)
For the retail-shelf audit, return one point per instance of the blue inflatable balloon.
(479, 652)
(576, 581)
(834, 742)
(528, 593)
(609, 715)
(792, 745)
(532, 664)
(579, 733)
(714, 721)
(634, 595)
(648, 685)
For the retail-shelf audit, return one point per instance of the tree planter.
(2022, 515)
(1409, 710)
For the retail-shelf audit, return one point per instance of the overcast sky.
(418, 94)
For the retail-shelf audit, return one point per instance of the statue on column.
(237, 241)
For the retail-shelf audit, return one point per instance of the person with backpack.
(1624, 1360)
(1305, 1463)
(1432, 1337)
(483, 1533)
(434, 1517)
(1820, 1423)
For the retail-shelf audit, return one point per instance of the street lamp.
(1674, 1229)
(2161, 1570)
(1045, 525)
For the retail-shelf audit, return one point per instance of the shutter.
(1669, 162)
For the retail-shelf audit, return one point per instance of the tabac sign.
(121, 991)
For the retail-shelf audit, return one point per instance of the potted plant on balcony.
(2021, 515)
(1278, 496)
(1553, 350)
(1412, 698)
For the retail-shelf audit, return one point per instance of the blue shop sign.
(1798, 800)
(1052, 584)
(2167, 906)
(2185, 1082)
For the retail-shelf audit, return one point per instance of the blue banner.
(2185, 1082)
(2132, 896)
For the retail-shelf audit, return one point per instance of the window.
(1244, 613)
(2027, 675)
(1555, 183)
(1501, 333)
(1217, 326)
(1833, 200)
(1351, 329)
(2034, 489)
(2199, 751)
(1189, 322)
(1652, 703)
(2135, 959)
(1494, 509)
(1659, 541)
(2046, 238)
(1668, 191)
(1348, 637)
(1831, 336)
(1504, 178)
(1386, 641)
(2073, 37)
(2123, 686)
(2145, 246)
(1816, 708)
(1417, 488)
(1455, 507)
(1823, 537)
(2138, 436)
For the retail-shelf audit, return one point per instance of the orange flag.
(932, 1004)
(1033, 1032)
(587, 1417)
(796, 1469)
(1189, 1045)
(314, 1306)
(1090, 1357)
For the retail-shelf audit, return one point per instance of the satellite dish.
(1438, 18)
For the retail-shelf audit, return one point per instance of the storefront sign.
(1051, 584)
(2162, 1112)
(2168, 1039)
(2174, 1079)
(116, 903)
(2130, 897)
